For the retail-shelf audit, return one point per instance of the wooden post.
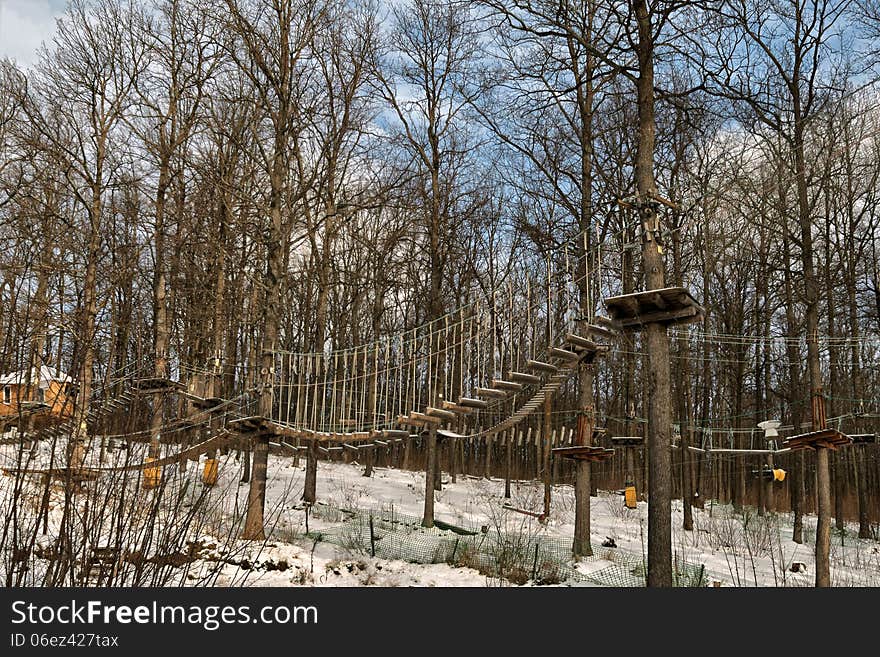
(508, 460)
(311, 483)
(823, 486)
(368, 460)
(581, 546)
(548, 405)
(428, 517)
(438, 472)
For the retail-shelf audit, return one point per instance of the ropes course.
(476, 372)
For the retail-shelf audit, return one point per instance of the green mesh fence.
(512, 556)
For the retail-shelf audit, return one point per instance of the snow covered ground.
(735, 549)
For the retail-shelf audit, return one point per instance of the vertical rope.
(598, 275)
(334, 419)
(375, 384)
(316, 363)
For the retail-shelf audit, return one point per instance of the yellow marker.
(152, 474)
(209, 474)
(778, 474)
(630, 497)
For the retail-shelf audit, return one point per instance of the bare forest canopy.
(183, 181)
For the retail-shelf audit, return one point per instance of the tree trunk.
(657, 341)
(586, 420)
(428, 516)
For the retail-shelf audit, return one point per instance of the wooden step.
(580, 342)
(542, 366)
(563, 353)
(441, 413)
(456, 408)
(491, 392)
(429, 419)
(603, 327)
(410, 422)
(522, 377)
(506, 385)
(472, 403)
(394, 433)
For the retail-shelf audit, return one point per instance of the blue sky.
(24, 25)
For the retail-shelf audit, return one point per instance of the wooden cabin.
(49, 392)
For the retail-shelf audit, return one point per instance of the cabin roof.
(42, 376)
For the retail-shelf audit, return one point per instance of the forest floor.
(730, 548)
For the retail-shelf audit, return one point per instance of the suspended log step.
(457, 408)
(822, 439)
(472, 403)
(394, 433)
(584, 453)
(445, 433)
(501, 384)
(580, 342)
(491, 392)
(628, 441)
(670, 305)
(565, 354)
(542, 366)
(249, 424)
(603, 327)
(204, 402)
(523, 377)
(428, 419)
(441, 413)
(410, 421)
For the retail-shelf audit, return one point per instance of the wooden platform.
(205, 402)
(584, 453)
(444, 433)
(250, 424)
(156, 384)
(628, 441)
(824, 438)
(669, 305)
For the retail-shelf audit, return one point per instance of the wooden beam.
(522, 377)
(491, 392)
(441, 413)
(664, 317)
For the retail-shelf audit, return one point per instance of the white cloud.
(24, 25)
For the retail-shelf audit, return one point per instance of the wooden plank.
(563, 353)
(522, 377)
(409, 421)
(456, 408)
(441, 413)
(394, 433)
(580, 341)
(542, 366)
(584, 453)
(472, 403)
(681, 316)
(506, 385)
(429, 419)
(491, 392)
